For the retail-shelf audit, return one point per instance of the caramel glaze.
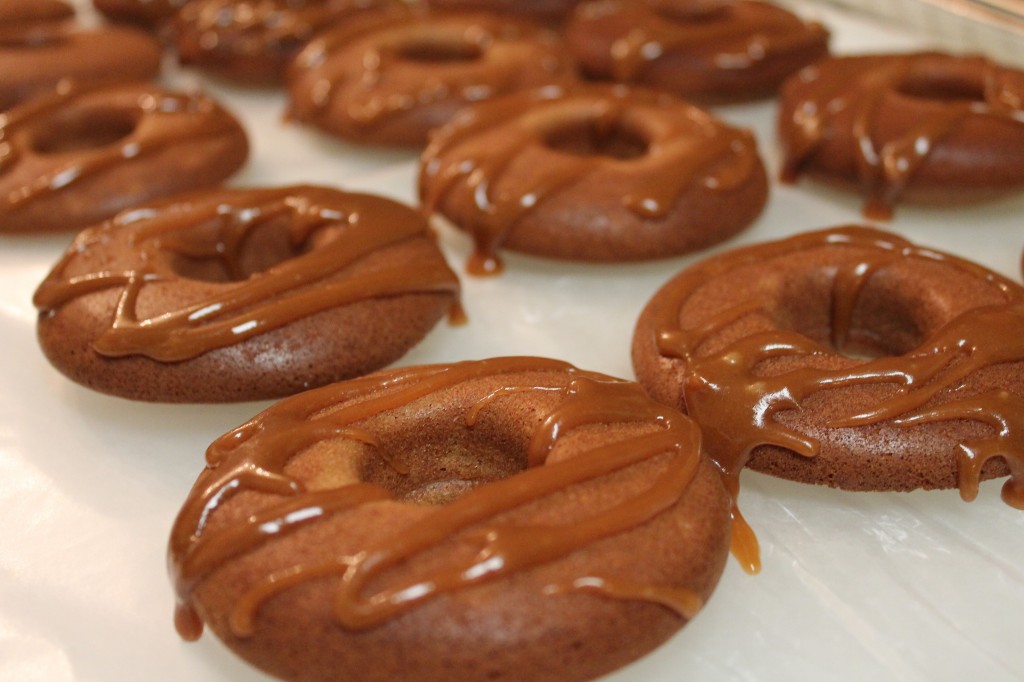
(253, 40)
(391, 76)
(928, 127)
(335, 229)
(146, 121)
(713, 50)
(254, 456)
(737, 401)
(685, 150)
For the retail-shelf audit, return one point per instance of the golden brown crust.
(706, 51)
(576, 586)
(234, 295)
(388, 78)
(919, 128)
(747, 343)
(595, 173)
(79, 156)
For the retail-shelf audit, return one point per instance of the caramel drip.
(253, 458)
(165, 119)
(736, 405)
(684, 602)
(295, 288)
(469, 179)
(860, 85)
(720, 34)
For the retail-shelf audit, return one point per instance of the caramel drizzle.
(295, 288)
(736, 406)
(253, 457)
(718, 31)
(165, 120)
(373, 98)
(691, 148)
(860, 84)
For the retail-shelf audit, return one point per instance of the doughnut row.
(485, 516)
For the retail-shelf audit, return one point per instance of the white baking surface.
(855, 586)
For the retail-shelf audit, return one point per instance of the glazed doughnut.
(926, 128)
(704, 50)
(228, 295)
(511, 518)
(391, 77)
(252, 41)
(591, 173)
(146, 13)
(546, 11)
(36, 56)
(847, 357)
(79, 156)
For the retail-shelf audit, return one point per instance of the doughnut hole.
(416, 463)
(427, 49)
(203, 255)
(890, 317)
(944, 85)
(440, 469)
(593, 137)
(83, 130)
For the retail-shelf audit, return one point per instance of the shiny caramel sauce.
(253, 458)
(681, 148)
(329, 231)
(737, 406)
(843, 98)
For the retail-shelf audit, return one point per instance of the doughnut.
(252, 41)
(389, 78)
(80, 155)
(509, 518)
(145, 13)
(242, 294)
(927, 128)
(707, 51)
(35, 56)
(546, 11)
(602, 173)
(847, 357)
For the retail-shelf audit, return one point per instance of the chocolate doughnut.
(847, 357)
(79, 156)
(252, 41)
(146, 13)
(601, 173)
(37, 55)
(708, 50)
(229, 295)
(926, 128)
(391, 77)
(511, 518)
